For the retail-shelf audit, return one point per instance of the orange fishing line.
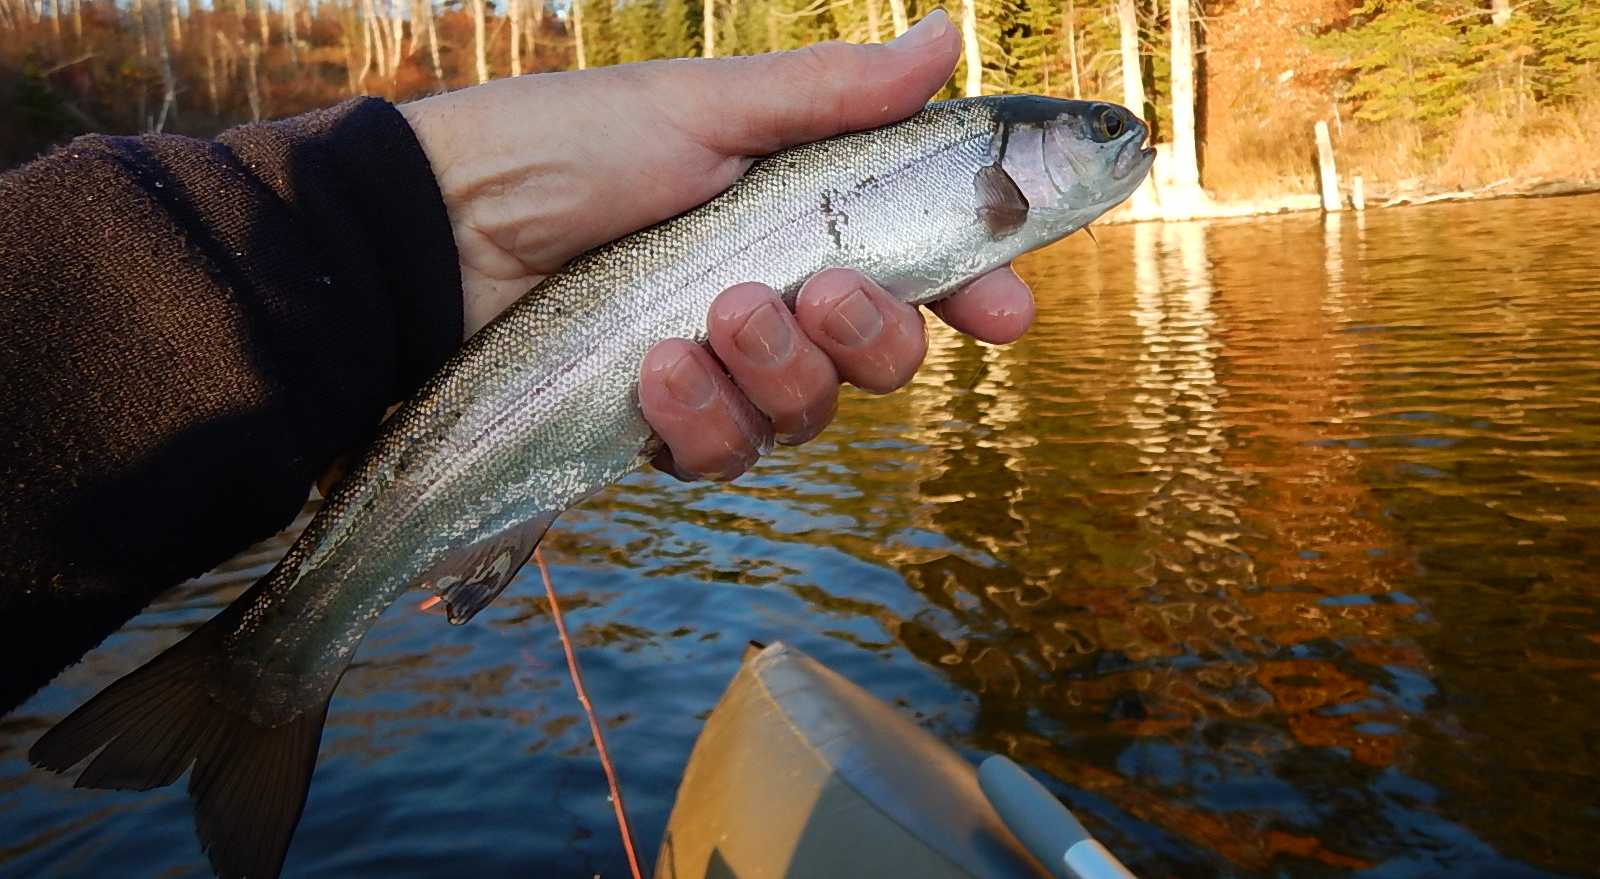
(588, 710)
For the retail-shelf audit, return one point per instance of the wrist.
(488, 174)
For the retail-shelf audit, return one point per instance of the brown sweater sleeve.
(190, 331)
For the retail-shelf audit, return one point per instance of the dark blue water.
(1273, 548)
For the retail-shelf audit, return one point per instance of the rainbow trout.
(539, 410)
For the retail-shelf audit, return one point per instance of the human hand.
(537, 170)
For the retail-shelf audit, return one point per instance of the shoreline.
(1377, 199)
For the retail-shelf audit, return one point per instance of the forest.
(1418, 93)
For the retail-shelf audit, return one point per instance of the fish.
(539, 410)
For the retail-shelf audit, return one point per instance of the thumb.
(787, 98)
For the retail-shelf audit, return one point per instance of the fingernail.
(689, 383)
(855, 321)
(765, 338)
(930, 28)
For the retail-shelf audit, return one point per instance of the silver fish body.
(539, 409)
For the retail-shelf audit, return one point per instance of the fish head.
(1070, 161)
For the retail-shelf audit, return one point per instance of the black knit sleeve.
(190, 331)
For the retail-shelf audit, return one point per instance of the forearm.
(189, 332)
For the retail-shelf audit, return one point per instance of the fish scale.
(539, 410)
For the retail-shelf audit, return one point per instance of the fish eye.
(1108, 125)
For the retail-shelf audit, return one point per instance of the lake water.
(1273, 549)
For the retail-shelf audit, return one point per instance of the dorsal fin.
(467, 579)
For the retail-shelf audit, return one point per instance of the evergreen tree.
(639, 31)
(1566, 56)
(677, 30)
(1408, 61)
(600, 32)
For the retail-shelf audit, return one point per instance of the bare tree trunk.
(55, 20)
(708, 27)
(396, 32)
(291, 31)
(380, 38)
(535, 24)
(478, 41)
(364, 11)
(1143, 202)
(348, 39)
(513, 10)
(366, 50)
(376, 33)
(174, 25)
(1328, 171)
(1132, 76)
(1070, 25)
(1501, 12)
(380, 41)
(252, 55)
(874, 26)
(211, 69)
(897, 8)
(1185, 167)
(577, 32)
(969, 40)
(138, 18)
(169, 85)
(261, 15)
(230, 63)
(416, 28)
(77, 19)
(433, 44)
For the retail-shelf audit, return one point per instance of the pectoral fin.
(1001, 205)
(469, 578)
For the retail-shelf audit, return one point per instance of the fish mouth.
(1134, 159)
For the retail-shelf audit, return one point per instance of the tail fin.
(249, 782)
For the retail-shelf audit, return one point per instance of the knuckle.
(822, 60)
(822, 69)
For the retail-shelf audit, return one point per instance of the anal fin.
(469, 578)
(249, 781)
